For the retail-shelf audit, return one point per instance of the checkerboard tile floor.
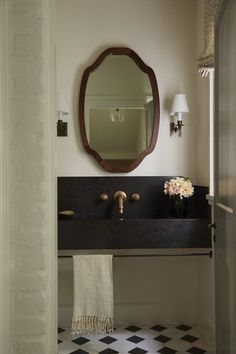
(135, 340)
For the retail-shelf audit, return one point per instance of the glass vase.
(179, 208)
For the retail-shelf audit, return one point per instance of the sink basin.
(133, 233)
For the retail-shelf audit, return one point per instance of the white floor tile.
(151, 345)
(122, 346)
(94, 346)
(67, 347)
(179, 344)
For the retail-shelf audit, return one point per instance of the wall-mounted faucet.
(121, 197)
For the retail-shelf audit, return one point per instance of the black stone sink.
(146, 223)
(133, 233)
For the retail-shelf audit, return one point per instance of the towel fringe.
(92, 325)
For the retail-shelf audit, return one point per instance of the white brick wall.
(29, 150)
(28, 282)
(30, 346)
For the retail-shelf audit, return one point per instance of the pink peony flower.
(179, 186)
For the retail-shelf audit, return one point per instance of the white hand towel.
(93, 294)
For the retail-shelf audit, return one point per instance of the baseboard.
(142, 314)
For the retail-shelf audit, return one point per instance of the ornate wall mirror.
(119, 110)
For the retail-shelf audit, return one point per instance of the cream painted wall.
(146, 291)
(162, 32)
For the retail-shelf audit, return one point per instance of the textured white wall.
(4, 235)
(163, 33)
(31, 196)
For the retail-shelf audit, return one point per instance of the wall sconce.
(179, 106)
(62, 110)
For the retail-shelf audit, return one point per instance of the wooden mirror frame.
(156, 105)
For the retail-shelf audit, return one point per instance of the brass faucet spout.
(121, 196)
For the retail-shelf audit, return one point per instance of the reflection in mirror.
(119, 135)
(119, 110)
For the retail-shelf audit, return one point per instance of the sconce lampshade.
(179, 105)
(62, 107)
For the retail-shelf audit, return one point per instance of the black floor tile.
(195, 350)
(80, 351)
(108, 351)
(137, 351)
(80, 340)
(158, 328)
(135, 339)
(166, 350)
(108, 340)
(59, 330)
(190, 339)
(183, 327)
(133, 328)
(162, 339)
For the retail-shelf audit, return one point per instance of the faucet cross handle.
(121, 197)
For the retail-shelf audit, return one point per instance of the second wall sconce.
(178, 108)
(62, 110)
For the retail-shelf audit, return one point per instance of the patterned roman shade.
(206, 58)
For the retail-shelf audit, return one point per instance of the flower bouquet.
(178, 189)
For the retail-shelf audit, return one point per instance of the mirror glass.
(118, 113)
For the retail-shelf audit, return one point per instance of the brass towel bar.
(154, 255)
